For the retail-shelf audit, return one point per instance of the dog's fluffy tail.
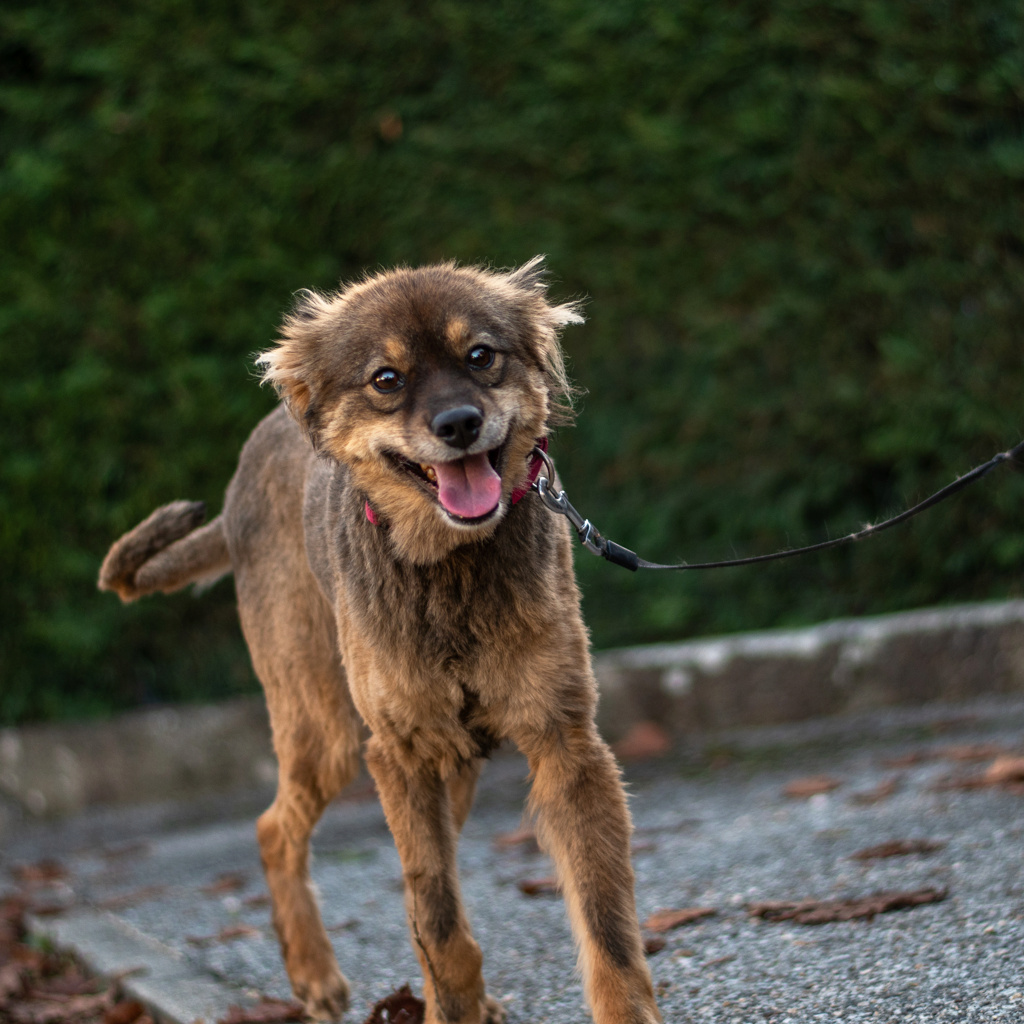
(167, 551)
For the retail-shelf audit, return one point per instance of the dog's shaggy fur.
(384, 573)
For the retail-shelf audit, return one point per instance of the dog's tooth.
(430, 471)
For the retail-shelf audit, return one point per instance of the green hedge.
(799, 226)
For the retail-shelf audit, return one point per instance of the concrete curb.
(156, 754)
(154, 974)
(694, 689)
(849, 665)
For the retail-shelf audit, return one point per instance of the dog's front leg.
(418, 809)
(584, 824)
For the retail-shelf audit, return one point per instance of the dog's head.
(432, 385)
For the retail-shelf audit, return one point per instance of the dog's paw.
(325, 998)
(491, 1011)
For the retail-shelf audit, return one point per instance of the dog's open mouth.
(468, 489)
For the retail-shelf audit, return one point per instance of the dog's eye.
(387, 380)
(480, 357)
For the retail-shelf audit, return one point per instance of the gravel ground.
(713, 829)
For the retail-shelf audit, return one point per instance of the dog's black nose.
(459, 427)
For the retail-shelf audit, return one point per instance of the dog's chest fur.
(440, 628)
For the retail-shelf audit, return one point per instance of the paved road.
(713, 829)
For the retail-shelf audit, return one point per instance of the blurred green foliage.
(798, 223)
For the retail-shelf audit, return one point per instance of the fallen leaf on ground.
(226, 934)
(882, 791)
(897, 848)
(682, 825)
(826, 911)
(133, 898)
(909, 760)
(972, 752)
(539, 886)
(57, 1009)
(813, 785)
(267, 1011)
(719, 960)
(401, 1007)
(344, 926)
(10, 982)
(50, 909)
(128, 1011)
(40, 986)
(643, 846)
(644, 740)
(72, 982)
(42, 872)
(666, 920)
(654, 944)
(118, 851)
(1006, 772)
(525, 837)
(1005, 769)
(230, 881)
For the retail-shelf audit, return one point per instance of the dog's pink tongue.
(468, 487)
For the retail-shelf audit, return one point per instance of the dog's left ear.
(530, 280)
(296, 366)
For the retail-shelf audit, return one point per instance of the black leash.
(598, 545)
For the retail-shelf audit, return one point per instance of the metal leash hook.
(589, 535)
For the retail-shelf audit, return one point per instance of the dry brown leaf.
(267, 1011)
(524, 837)
(1005, 769)
(915, 757)
(57, 1010)
(230, 881)
(11, 983)
(882, 791)
(897, 848)
(539, 886)
(226, 934)
(972, 751)
(50, 909)
(343, 926)
(642, 846)
(1006, 772)
(127, 1011)
(654, 944)
(642, 741)
(42, 872)
(666, 920)
(73, 981)
(719, 960)
(812, 785)
(826, 911)
(133, 898)
(133, 850)
(401, 1007)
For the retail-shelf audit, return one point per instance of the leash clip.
(588, 534)
(544, 486)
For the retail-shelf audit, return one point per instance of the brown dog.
(387, 570)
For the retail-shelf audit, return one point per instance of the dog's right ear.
(296, 366)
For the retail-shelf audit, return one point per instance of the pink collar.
(517, 495)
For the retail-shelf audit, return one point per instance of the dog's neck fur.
(432, 608)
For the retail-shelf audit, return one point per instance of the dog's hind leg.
(418, 807)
